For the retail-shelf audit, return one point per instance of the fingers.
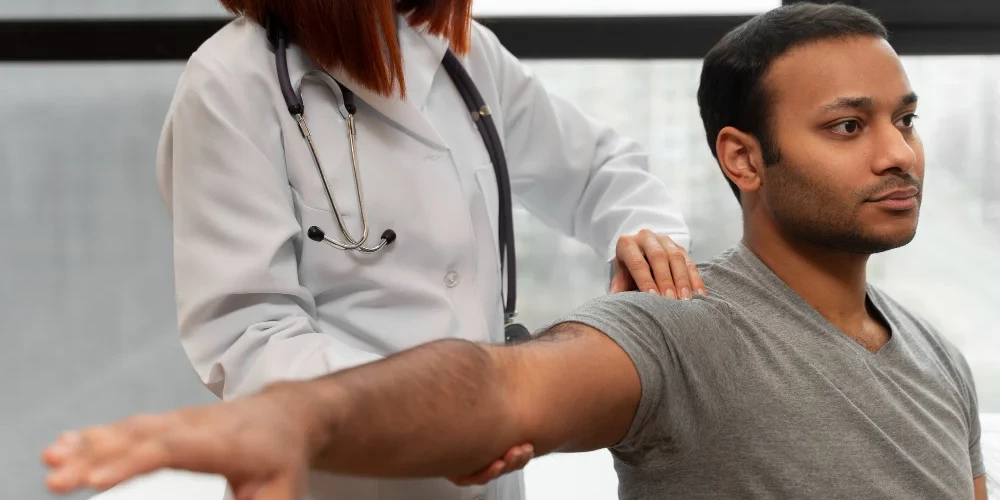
(659, 261)
(697, 283)
(484, 476)
(62, 450)
(99, 458)
(141, 458)
(102, 457)
(73, 455)
(678, 265)
(655, 264)
(66, 479)
(515, 459)
(631, 255)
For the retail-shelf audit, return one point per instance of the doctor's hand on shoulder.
(654, 263)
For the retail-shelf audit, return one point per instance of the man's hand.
(653, 263)
(256, 443)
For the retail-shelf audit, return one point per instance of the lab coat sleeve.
(244, 318)
(571, 171)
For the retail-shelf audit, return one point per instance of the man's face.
(852, 164)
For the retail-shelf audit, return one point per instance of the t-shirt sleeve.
(975, 428)
(668, 342)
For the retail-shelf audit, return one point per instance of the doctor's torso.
(424, 173)
(440, 278)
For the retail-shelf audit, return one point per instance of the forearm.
(442, 409)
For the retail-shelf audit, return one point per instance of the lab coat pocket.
(486, 177)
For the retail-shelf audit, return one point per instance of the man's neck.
(832, 282)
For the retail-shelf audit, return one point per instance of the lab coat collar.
(422, 55)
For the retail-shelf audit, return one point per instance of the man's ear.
(740, 158)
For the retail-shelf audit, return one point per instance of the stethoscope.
(480, 112)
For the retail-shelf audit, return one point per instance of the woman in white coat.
(259, 301)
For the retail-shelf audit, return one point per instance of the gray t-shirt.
(750, 393)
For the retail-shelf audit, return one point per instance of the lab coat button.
(451, 279)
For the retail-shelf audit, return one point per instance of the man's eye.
(849, 127)
(906, 121)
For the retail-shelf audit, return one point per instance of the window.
(86, 261)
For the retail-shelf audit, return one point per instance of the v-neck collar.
(775, 284)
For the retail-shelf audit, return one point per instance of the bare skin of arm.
(444, 409)
(980, 486)
(454, 406)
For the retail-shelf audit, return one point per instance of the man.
(793, 378)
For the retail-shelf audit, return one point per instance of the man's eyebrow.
(844, 103)
(908, 99)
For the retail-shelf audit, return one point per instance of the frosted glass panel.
(85, 259)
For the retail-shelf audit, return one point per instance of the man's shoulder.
(645, 314)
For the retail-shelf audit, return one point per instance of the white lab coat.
(259, 302)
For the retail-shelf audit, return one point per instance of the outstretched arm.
(443, 409)
(453, 406)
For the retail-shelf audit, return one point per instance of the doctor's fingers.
(687, 280)
(663, 256)
(518, 458)
(515, 459)
(683, 280)
(697, 284)
(481, 477)
(631, 255)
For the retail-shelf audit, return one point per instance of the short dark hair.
(731, 92)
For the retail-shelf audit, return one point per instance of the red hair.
(359, 36)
